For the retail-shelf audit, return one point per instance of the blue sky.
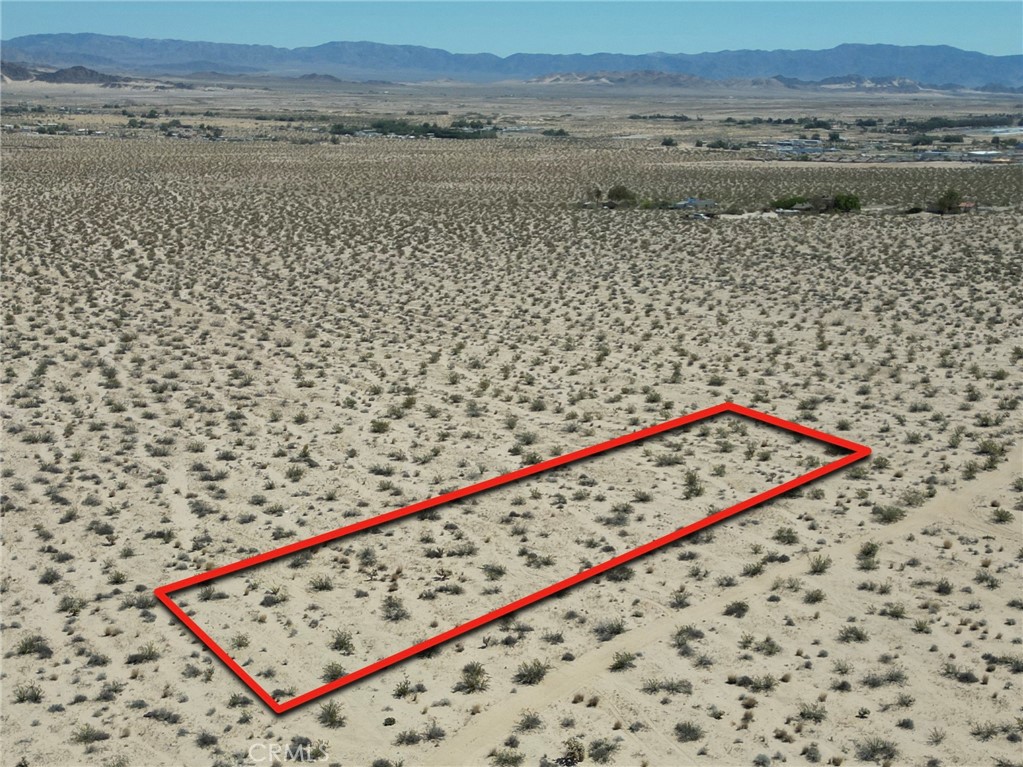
(576, 26)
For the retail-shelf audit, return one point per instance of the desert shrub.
(852, 634)
(1001, 516)
(608, 629)
(330, 715)
(688, 732)
(674, 686)
(736, 609)
(393, 609)
(683, 636)
(786, 535)
(206, 739)
(342, 642)
(530, 720)
(493, 572)
(622, 661)
(506, 757)
(332, 671)
(35, 644)
(895, 610)
(888, 514)
(884, 677)
(987, 578)
(321, 583)
(28, 693)
(813, 712)
(434, 732)
(146, 654)
(875, 749)
(163, 715)
(952, 671)
(680, 598)
(531, 672)
(767, 647)
(407, 738)
(602, 750)
(819, 564)
(474, 678)
(88, 734)
(752, 569)
(813, 596)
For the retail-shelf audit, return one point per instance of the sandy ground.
(215, 349)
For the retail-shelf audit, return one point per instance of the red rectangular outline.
(857, 452)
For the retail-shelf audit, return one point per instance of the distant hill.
(314, 77)
(366, 60)
(77, 75)
(13, 71)
(650, 78)
(860, 83)
(647, 78)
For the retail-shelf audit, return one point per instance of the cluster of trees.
(807, 123)
(471, 124)
(20, 109)
(948, 202)
(54, 129)
(837, 203)
(720, 143)
(967, 121)
(620, 196)
(304, 117)
(392, 127)
(152, 114)
(659, 116)
(925, 140)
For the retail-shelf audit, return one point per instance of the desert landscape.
(229, 326)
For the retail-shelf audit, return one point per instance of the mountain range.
(367, 60)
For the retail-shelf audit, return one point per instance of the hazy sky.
(578, 26)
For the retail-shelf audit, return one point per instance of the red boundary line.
(857, 452)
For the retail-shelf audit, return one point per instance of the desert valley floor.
(212, 349)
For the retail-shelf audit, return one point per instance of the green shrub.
(949, 201)
(788, 203)
(621, 194)
(847, 202)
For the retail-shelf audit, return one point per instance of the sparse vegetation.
(214, 348)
